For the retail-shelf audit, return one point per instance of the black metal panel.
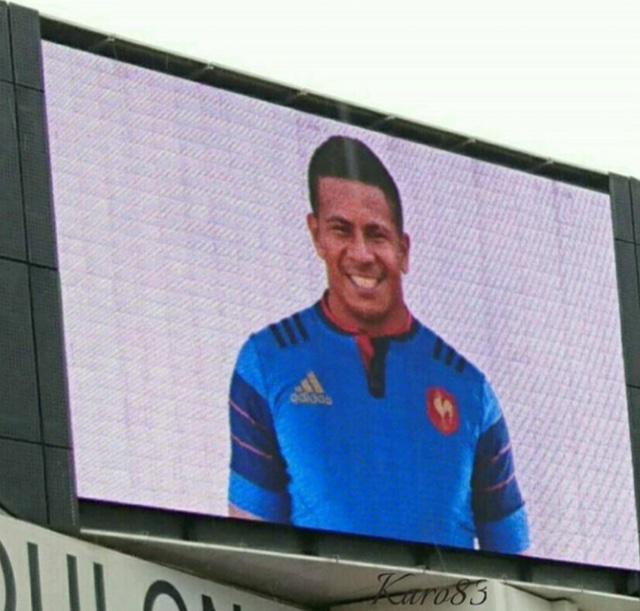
(19, 414)
(633, 395)
(374, 551)
(421, 134)
(629, 295)
(634, 183)
(131, 53)
(128, 519)
(582, 578)
(346, 113)
(6, 69)
(474, 563)
(22, 483)
(36, 182)
(621, 214)
(258, 535)
(575, 176)
(243, 84)
(499, 155)
(61, 496)
(47, 321)
(69, 35)
(25, 45)
(12, 236)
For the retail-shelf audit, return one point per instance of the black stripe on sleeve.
(437, 348)
(289, 331)
(461, 365)
(300, 326)
(277, 335)
(450, 354)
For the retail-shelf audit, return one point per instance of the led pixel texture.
(180, 213)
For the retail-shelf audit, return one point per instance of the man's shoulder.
(443, 355)
(455, 373)
(291, 332)
(276, 348)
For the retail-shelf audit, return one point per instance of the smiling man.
(351, 415)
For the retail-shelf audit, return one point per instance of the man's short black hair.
(343, 157)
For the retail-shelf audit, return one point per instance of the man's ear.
(405, 245)
(312, 224)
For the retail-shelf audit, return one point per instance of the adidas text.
(311, 398)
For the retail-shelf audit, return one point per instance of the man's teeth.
(364, 283)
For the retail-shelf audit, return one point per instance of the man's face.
(365, 254)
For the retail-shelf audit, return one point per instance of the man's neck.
(397, 323)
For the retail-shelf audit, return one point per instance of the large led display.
(182, 230)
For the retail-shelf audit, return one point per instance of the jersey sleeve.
(258, 476)
(498, 506)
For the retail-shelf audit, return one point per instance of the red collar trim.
(326, 310)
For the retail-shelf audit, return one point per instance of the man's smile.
(365, 282)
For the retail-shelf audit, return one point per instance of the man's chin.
(369, 315)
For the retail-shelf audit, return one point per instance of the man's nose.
(360, 249)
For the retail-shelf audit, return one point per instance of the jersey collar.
(328, 317)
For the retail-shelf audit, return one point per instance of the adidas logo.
(310, 392)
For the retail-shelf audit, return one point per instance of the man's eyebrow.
(369, 227)
(338, 219)
(377, 227)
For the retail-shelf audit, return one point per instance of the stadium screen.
(182, 230)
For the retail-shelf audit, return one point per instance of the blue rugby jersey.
(414, 447)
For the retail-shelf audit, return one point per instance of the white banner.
(41, 570)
